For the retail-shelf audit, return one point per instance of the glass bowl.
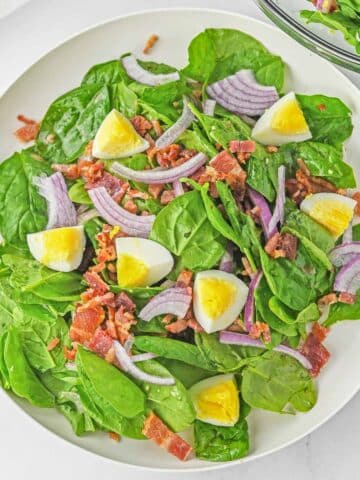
(319, 38)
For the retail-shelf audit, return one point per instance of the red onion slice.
(209, 107)
(161, 176)
(249, 309)
(178, 188)
(142, 357)
(131, 224)
(61, 210)
(342, 254)
(174, 300)
(127, 365)
(171, 134)
(136, 72)
(228, 102)
(348, 234)
(265, 213)
(227, 262)
(279, 210)
(86, 215)
(248, 79)
(232, 338)
(348, 277)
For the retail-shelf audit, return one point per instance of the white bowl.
(63, 69)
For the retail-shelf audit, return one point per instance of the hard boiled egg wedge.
(331, 210)
(117, 138)
(216, 400)
(60, 249)
(141, 262)
(218, 300)
(283, 122)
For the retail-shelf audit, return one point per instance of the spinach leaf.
(187, 375)
(22, 379)
(111, 384)
(356, 233)
(329, 118)
(22, 209)
(273, 380)
(35, 350)
(184, 229)
(124, 99)
(343, 311)
(323, 160)
(78, 194)
(71, 122)
(4, 373)
(308, 314)
(105, 74)
(171, 403)
(221, 444)
(173, 349)
(304, 225)
(195, 140)
(262, 172)
(217, 53)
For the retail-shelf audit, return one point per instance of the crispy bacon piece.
(242, 146)
(156, 430)
(282, 245)
(304, 185)
(157, 127)
(141, 125)
(227, 168)
(272, 149)
(178, 326)
(184, 279)
(328, 299)
(348, 298)
(123, 322)
(108, 300)
(123, 300)
(259, 329)
(167, 156)
(150, 43)
(96, 283)
(314, 350)
(130, 206)
(71, 172)
(70, 354)
(156, 189)
(53, 344)
(100, 343)
(224, 162)
(114, 436)
(356, 197)
(85, 323)
(29, 131)
(167, 196)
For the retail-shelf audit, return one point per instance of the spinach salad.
(176, 246)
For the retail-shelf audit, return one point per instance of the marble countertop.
(27, 450)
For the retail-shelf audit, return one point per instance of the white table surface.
(26, 449)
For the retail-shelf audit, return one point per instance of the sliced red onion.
(342, 254)
(242, 94)
(178, 188)
(174, 300)
(279, 210)
(249, 309)
(232, 338)
(130, 223)
(250, 121)
(209, 107)
(348, 234)
(127, 365)
(86, 215)
(348, 277)
(265, 213)
(161, 176)
(129, 344)
(61, 210)
(136, 72)
(142, 357)
(171, 134)
(227, 262)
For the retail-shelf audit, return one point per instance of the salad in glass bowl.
(176, 247)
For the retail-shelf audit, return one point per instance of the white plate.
(62, 69)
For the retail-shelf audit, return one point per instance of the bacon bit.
(70, 354)
(123, 300)
(314, 350)
(242, 146)
(224, 162)
(303, 167)
(150, 43)
(168, 319)
(96, 283)
(356, 197)
(168, 156)
(71, 172)
(141, 125)
(156, 189)
(184, 279)
(133, 193)
(100, 343)
(272, 149)
(259, 329)
(116, 187)
(195, 325)
(248, 271)
(53, 344)
(167, 196)
(123, 323)
(156, 430)
(130, 206)
(243, 157)
(29, 131)
(107, 300)
(178, 326)
(157, 127)
(237, 326)
(114, 436)
(348, 298)
(304, 185)
(85, 323)
(218, 146)
(321, 107)
(328, 299)
(282, 245)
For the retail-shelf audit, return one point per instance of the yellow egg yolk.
(131, 272)
(216, 295)
(219, 402)
(289, 119)
(60, 244)
(333, 215)
(117, 134)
